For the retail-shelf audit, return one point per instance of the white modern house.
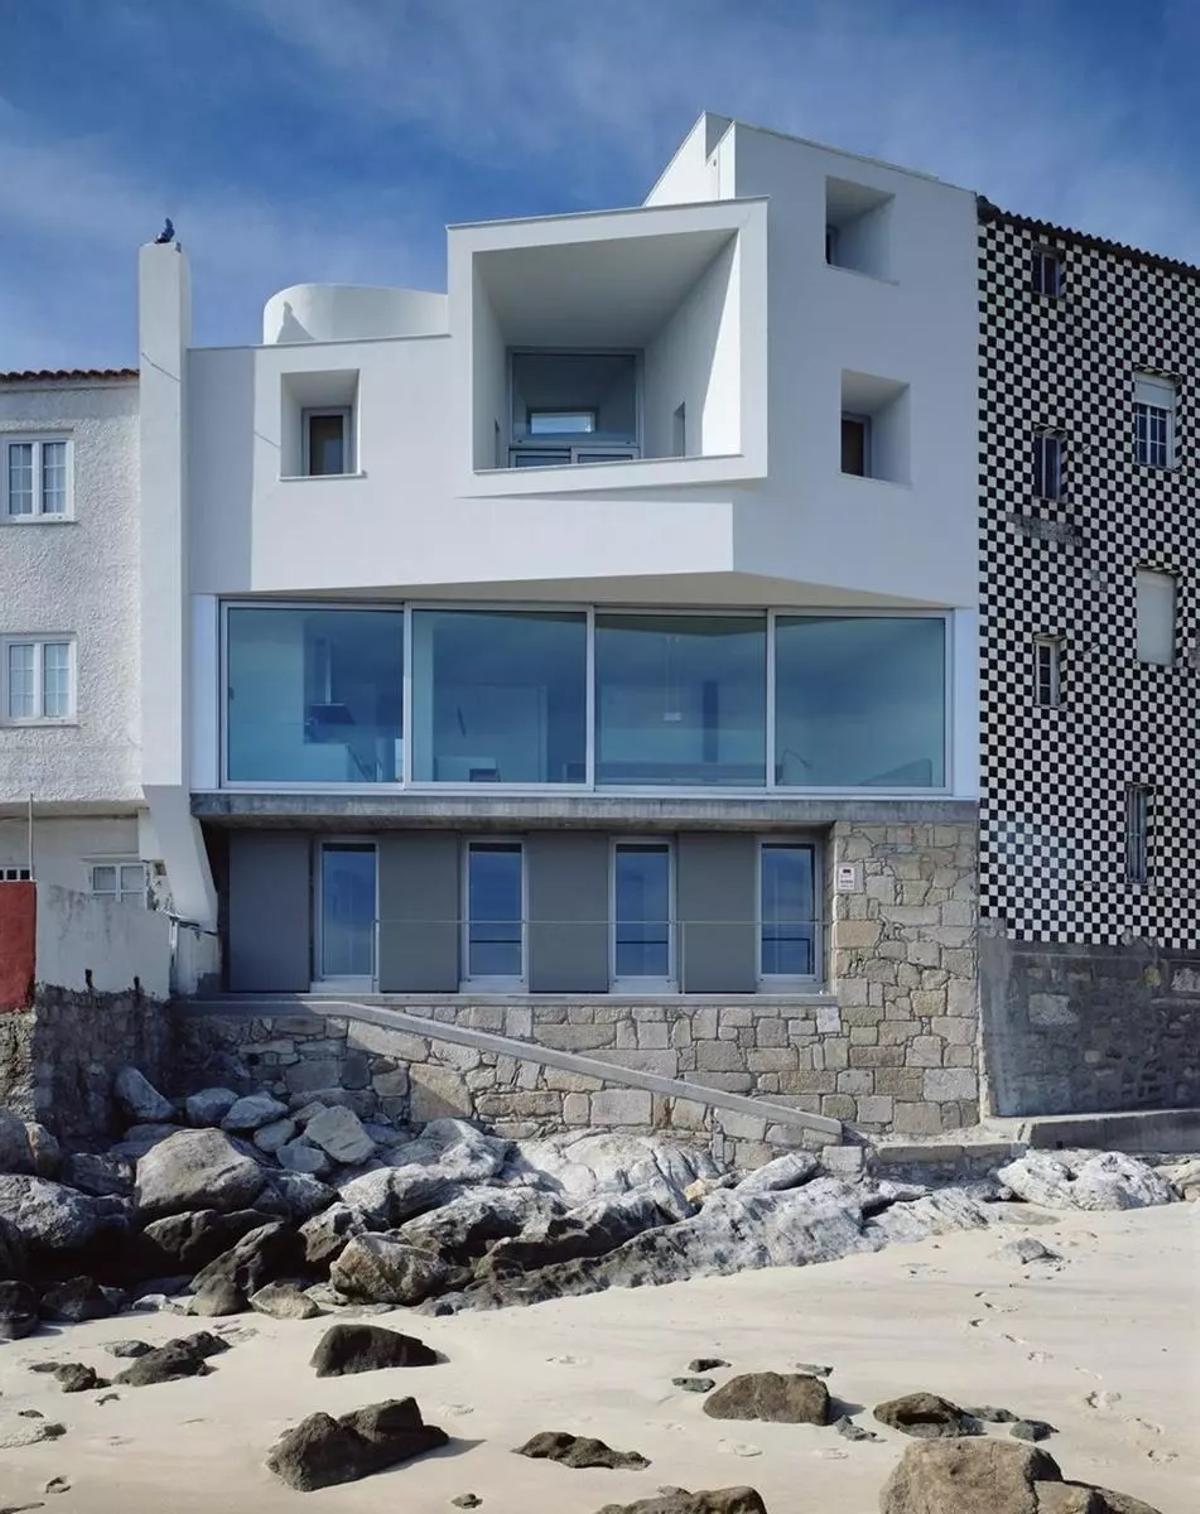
(540, 636)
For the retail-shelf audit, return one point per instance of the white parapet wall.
(116, 943)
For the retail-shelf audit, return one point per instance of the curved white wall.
(351, 312)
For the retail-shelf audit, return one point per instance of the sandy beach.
(1106, 1348)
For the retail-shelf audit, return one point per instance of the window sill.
(861, 273)
(1158, 467)
(890, 483)
(39, 725)
(319, 478)
(38, 520)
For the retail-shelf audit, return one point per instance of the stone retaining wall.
(406, 1077)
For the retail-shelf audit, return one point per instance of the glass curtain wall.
(314, 695)
(860, 701)
(681, 699)
(499, 696)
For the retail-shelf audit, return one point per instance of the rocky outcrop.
(196, 1169)
(186, 1356)
(780, 1398)
(139, 1098)
(50, 1216)
(78, 1299)
(16, 1154)
(14, 1254)
(322, 1451)
(252, 1112)
(592, 1229)
(209, 1106)
(18, 1311)
(340, 1135)
(461, 1231)
(1085, 1180)
(579, 1451)
(346, 1349)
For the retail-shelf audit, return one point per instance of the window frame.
(348, 982)
(1042, 256)
(38, 441)
(865, 422)
(119, 895)
(345, 413)
(633, 986)
(630, 451)
(1144, 447)
(39, 641)
(1042, 436)
(495, 982)
(1047, 642)
(782, 982)
(1145, 571)
(1139, 803)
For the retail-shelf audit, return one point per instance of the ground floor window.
(494, 924)
(787, 911)
(122, 881)
(346, 890)
(641, 914)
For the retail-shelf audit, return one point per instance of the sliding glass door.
(345, 911)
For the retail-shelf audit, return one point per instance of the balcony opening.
(573, 407)
(594, 352)
(858, 228)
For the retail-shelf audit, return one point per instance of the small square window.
(326, 442)
(1048, 465)
(124, 882)
(35, 478)
(856, 445)
(1046, 272)
(561, 422)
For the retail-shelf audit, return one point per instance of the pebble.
(695, 1384)
(706, 1363)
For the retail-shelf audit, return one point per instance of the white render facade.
(70, 718)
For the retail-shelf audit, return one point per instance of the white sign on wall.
(848, 878)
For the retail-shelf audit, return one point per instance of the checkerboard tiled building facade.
(1055, 780)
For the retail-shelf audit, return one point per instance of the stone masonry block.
(924, 1051)
(945, 1083)
(621, 1106)
(875, 1109)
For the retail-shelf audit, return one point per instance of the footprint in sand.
(570, 1361)
(738, 1448)
(1101, 1400)
(456, 1409)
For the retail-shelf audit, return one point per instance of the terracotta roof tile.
(49, 375)
(990, 212)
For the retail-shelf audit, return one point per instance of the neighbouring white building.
(70, 713)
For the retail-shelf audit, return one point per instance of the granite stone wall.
(1078, 1029)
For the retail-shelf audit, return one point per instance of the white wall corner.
(193, 894)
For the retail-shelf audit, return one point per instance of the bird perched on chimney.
(167, 234)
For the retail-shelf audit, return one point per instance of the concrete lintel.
(505, 1046)
(546, 811)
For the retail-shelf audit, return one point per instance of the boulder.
(339, 1133)
(1026, 1249)
(259, 1257)
(461, 1231)
(47, 1153)
(589, 1230)
(581, 1165)
(139, 1139)
(579, 1451)
(322, 1451)
(209, 1106)
(196, 1169)
(189, 1241)
(76, 1300)
(283, 1301)
(957, 1476)
(74, 1377)
(937, 1213)
(50, 1216)
(377, 1269)
(218, 1299)
(139, 1098)
(127, 1350)
(98, 1175)
(297, 1195)
(252, 1112)
(346, 1349)
(694, 1384)
(18, 1311)
(786, 1398)
(186, 1356)
(1082, 1498)
(927, 1415)
(302, 1156)
(325, 1234)
(1031, 1429)
(706, 1501)
(270, 1138)
(1085, 1180)
(786, 1171)
(14, 1254)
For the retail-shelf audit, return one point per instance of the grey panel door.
(270, 912)
(567, 881)
(717, 934)
(419, 909)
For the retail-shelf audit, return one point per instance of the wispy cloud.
(330, 139)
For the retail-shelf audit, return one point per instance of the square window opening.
(38, 678)
(1046, 272)
(319, 424)
(858, 227)
(875, 426)
(35, 478)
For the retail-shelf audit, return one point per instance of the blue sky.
(297, 140)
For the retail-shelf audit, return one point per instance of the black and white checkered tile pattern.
(1054, 781)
